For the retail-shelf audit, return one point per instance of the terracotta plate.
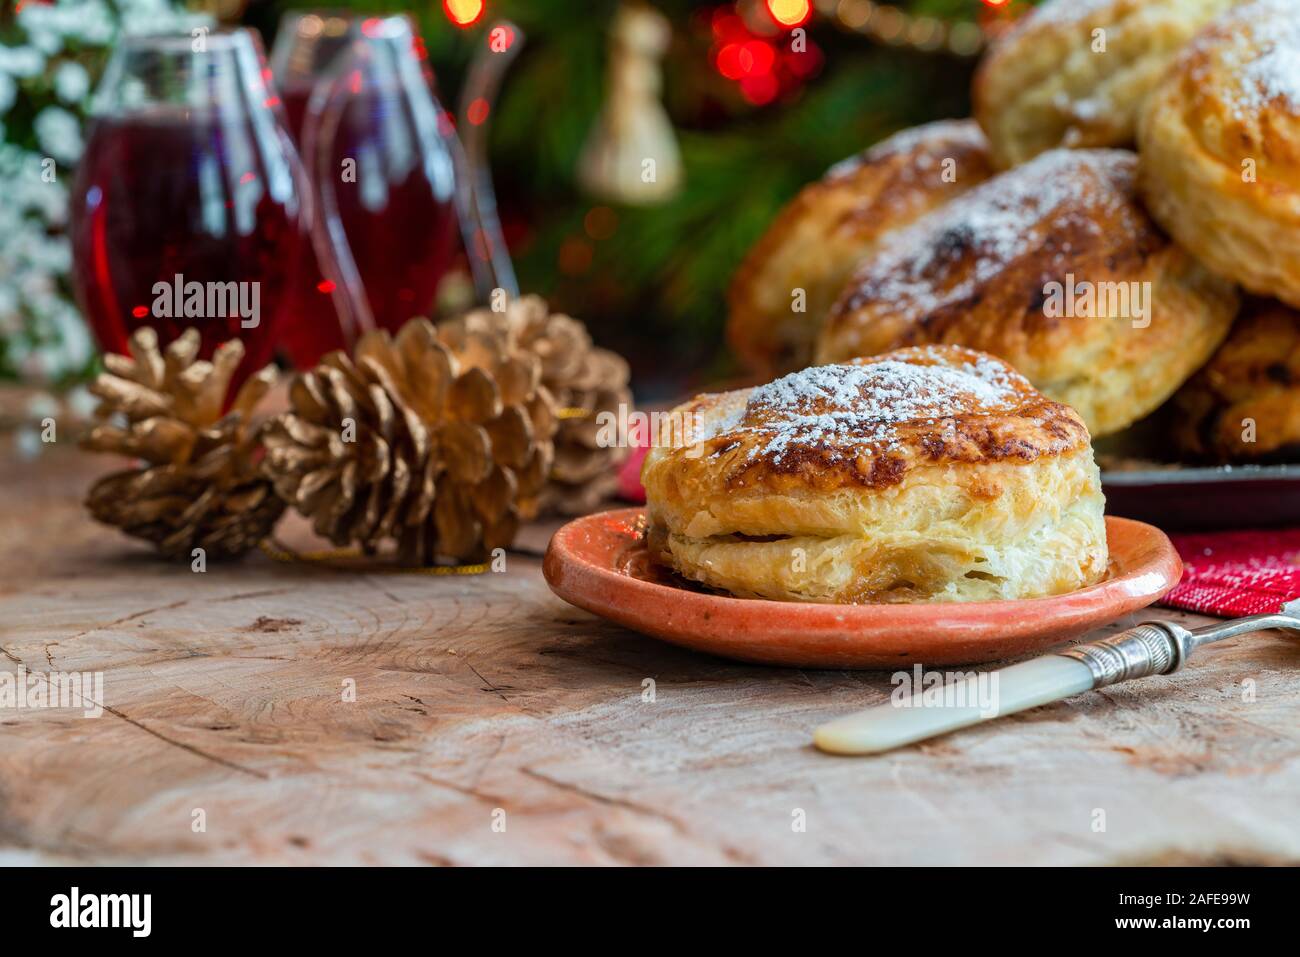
(600, 563)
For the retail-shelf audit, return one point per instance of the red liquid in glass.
(295, 99)
(400, 222)
(163, 193)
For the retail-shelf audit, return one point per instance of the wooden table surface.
(485, 701)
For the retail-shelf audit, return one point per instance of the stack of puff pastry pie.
(1150, 146)
(1146, 146)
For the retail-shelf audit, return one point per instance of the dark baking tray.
(1206, 499)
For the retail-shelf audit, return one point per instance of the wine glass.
(380, 153)
(188, 207)
(307, 44)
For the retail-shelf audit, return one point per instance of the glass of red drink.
(188, 207)
(379, 152)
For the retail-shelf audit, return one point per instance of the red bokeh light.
(477, 113)
(728, 26)
(736, 61)
(760, 88)
(764, 67)
(761, 57)
(600, 222)
(576, 255)
(803, 64)
(728, 61)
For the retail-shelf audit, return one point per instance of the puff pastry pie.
(1245, 405)
(1075, 73)
(928, 474)
(1056, 268)
(1220, 148)
(831, 225)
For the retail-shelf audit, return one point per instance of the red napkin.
(629, 476)
(1237, 573)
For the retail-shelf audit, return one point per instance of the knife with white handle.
(1152, 648)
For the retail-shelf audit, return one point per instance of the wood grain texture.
(223, 693)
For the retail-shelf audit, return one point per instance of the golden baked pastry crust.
(818, 238)
(1046, 84)
(1220, 149)
(1244, 406)
(978, 272)
(929, 474)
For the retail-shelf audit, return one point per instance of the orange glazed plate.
(600, 563)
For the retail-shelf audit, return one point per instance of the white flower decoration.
(71, 82)
(22, 61)
(59, 133)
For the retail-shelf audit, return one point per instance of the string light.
(892, 25)
(463, 13)
(789, 13)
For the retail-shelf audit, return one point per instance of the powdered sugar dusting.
(1062, 12)
(1271, 76)
(948, 254)
(1251, 59)
(1066, 11)
(936, 141)
(1276, 75)
(844, 408)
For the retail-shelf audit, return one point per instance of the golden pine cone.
(200, 486)
(585, 381)
(438, 439)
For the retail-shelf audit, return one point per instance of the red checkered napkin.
(1237, 573)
